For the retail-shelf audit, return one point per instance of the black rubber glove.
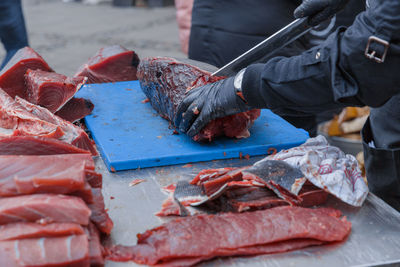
(319, 10)
(206, 103)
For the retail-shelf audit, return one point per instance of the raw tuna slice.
(165, 82)
(72, 133)
(23, 175)
(12, 75)
(94, 179)
(71, 251)
(32, 145)
(110, 64)
(75, 109)
(60, 174)
(99, 214)
(44, 208)
(14, 231)
(51, 90)
(186, 241)
(16, 120)
(95, 247)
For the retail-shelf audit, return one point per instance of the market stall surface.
(374, 240)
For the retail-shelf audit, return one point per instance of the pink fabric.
(184, 19)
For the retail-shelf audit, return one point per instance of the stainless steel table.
(374, 240)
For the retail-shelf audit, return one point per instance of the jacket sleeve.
(334, 74)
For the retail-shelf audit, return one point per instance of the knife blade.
(280, 39)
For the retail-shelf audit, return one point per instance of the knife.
(280, 39)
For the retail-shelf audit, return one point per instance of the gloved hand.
(206, 103)
(319, 10)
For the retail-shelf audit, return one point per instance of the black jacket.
(336, 74)
(222, 30)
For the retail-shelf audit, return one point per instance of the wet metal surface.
(374, 240)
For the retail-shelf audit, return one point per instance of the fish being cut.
(44, 208)
(16, 120)
(72, 133)
(12, 75)
(110, 64)
(75, 109)
(71, 251)
(14, 231)
(190, 240)
(33, 145)
(165, 82)
(51, 90)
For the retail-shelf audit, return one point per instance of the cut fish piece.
(14, 231)
(23, 175)
(12, 75)
(75, 109)
(165, 82)
(51, 90)
(71, 251)
(110, 64)
(59, 174)
(99, 214)
(44, 208)
(16, 120)
(202, 237)
(94, 179)
(72, 133)
(32, 145)
(95, 247)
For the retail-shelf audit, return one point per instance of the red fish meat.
(14, 231)
(72, 134)
(27, 175)
(12, 75)
(51, 90)
(95, 247)
(71, 251)
(110, 64)
(33, 145)
(75, 109)
(44, 208)
(99, 215)
(16, 120)
(165, 82)
(202, 237)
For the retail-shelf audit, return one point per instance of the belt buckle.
(372, 54)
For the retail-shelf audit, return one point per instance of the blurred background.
(67, 32)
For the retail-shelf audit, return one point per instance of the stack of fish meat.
(51, 211)
(28, 76)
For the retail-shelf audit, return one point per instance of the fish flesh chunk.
(12, 75)
(75, 109)
(33, 145)
(16, 120)
(44, 208)
(72, 134)
(110, 64)
(99, 215)
(14, 231)
(190, 240)
(51, 90)
(65, 251)
(165, 82)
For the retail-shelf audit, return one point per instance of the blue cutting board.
(129, 134)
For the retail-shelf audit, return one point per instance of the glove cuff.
(251, 85)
